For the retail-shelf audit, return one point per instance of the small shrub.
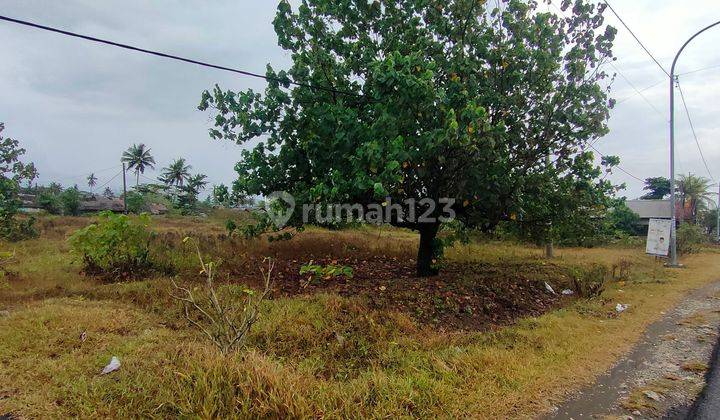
(70, 199)
(136, 202)
(230, 226)
(317, 272)
(589, 281)
(225, 318)
(6, 258)
(116, 246)
(689, 238)
(50, 202)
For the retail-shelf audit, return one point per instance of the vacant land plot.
(484, 339)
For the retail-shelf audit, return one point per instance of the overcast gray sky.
(76, 105)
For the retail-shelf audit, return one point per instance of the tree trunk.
(425, 256)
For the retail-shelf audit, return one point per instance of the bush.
(136, 202)
(70, 199)
(12, 172)
(116, 246)
(589, 281)
(623, 221)
(689, 238)
(50, 202)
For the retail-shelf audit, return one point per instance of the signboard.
(658, 239)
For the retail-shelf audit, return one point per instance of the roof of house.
(651, 209)
(100, 203)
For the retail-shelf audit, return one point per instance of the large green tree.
(416, 99)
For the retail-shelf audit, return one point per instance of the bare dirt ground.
(665, 372)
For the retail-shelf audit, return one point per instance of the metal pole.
(717, 211)
(673, 78)
(124, 191)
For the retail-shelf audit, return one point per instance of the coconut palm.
(92, 181)
(696, 189)
(176, 173)
(138, 158)
(197, 183)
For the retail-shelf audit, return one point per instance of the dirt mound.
(464, 296)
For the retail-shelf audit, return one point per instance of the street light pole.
(673, 79)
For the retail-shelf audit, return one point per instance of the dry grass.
(310, 356)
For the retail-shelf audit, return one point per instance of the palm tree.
(697, 190)
(176, 173)
(92, 181)
(138, 158)
(196, 183)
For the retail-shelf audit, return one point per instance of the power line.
(638, 91)
(699, 70)
(76, 177)
(636, 38)
(172, 57)
(110, 180)
(692, 128)
(618, 166)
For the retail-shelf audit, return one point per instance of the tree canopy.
(418, 99)
(658, 187)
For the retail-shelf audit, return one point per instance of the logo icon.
(280, 206)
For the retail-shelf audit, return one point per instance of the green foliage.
(70, 201)
(419, 100)
(55, 200)
(49, 200)
(694, 193)
(317, 272)
(623, 220)
(177, 173)
(658, 188)
(116, 246)
(709, 221)
(690, 237)
(12, 173)
(589, 281)
(138, 158)
(136, 202)
(221, 195)
(567, 205)
(230, 226)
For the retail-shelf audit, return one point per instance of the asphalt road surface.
(708, 404)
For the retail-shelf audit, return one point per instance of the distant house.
(650, 209)
(97, 203)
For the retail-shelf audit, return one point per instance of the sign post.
(658, 239)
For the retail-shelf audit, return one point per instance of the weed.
(317, 272)
(226, 322)
(589, 281)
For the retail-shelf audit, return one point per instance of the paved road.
(708, 405)
(666, 345)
